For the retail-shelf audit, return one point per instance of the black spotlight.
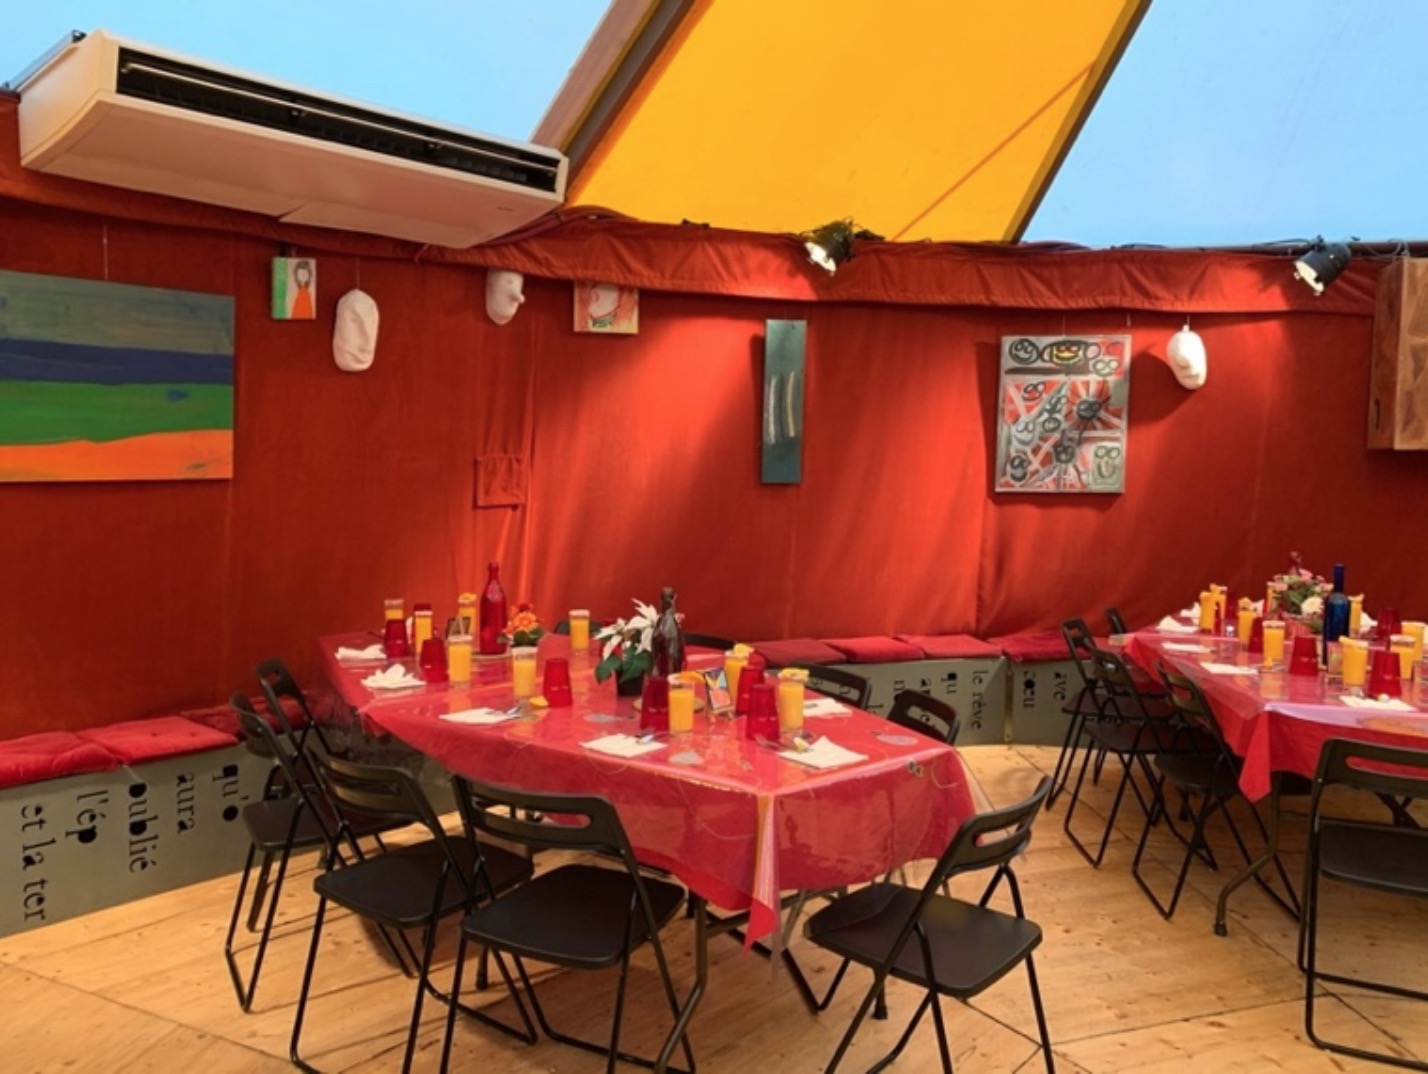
(830, 245)
(1321, 264)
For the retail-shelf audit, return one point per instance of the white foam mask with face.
(503, 294)
(1186, 352)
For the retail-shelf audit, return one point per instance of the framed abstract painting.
(1061, 413)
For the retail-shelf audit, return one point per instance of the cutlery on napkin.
(1169, 625)
(1185, 647)
(1226, 669)
(372, 652)
(622, 745)
(395, 677)
(824, 706)
(823, 753)
(480, 716)
(1385, 704)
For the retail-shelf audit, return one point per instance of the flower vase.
(631, 687)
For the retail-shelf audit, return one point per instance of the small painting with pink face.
(606, 307)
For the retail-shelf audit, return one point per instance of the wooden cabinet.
(1398, 391)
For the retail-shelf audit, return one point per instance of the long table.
(1275, 722)
(736, 822)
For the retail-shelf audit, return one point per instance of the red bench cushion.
(222, 718)
(951, 646)
(51, 755)
(137, 741)
(781, 654)
(875, 649)
(1034, 648)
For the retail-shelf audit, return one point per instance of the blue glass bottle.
(1336, 612)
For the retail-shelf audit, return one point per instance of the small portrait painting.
(607, 307)
(294, 289)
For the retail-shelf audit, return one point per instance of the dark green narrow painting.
(112, 382)
(782, 456)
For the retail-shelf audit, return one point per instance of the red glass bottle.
(493, 613)
(667, 644)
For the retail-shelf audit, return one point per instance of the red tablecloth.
(1276, 721)
(738, 825)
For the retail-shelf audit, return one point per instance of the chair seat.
(1389, 859)
(395, 888)
(1196, 773)
(1127, 737)
(573, 916)
(972, 946)
(270, 819)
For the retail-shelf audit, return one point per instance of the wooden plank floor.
(143, 987)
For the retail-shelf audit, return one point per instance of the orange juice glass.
(458, 658)
(1244, 621)
(466, 613)
(393, 608)
(1402, 644)
(734, 663)
(681, 705)
(1356, 614)
(1355, 661)
(1273, 641)
(790, 704)
(421, 624)
(579, 630)
(523, 671)
(1207, 610)
(1414, 629)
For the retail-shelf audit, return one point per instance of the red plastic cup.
(762, 722)
(1389, 624)
(1255, 645)
(1304, 658)
(1385, 674)
(557, 682)
(654, 704)
(748, 679)
(432, 660)
(394, 640)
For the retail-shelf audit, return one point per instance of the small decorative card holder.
(718, 687)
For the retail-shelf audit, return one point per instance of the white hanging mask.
(503, 294)
(1186, 352)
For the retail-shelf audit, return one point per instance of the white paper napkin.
(479, 716)
(1387, 704)
(823, 753)
(372, 652)
(1185, 647)
(824, 706)
(1226, 669)
(622, 745)
(395, 677)
(1169, 625)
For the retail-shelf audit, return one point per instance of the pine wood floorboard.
(143, 986)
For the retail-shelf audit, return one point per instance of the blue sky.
(1228, 122)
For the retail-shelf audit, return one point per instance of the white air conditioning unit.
(110, 111)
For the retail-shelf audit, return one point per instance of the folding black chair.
(1390, 857)
(1116, 621)
(1207, 770)
(926, 715)
(409, 887)
(835, 682)
(299, 819)
(1124, 730)
(944, 945)
(579, 916)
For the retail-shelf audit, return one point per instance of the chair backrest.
(1082, 644)
(1116, 621)
(709, 641)
(587, 822)
(835, 682)
(926, 714)
(991, 839)
(277, 682)
(1118, 686)
(1385, 771)
(1192, 709)
(295, 767)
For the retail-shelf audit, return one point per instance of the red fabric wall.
(633, 461)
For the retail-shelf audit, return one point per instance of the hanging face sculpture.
(1186, 352)
(503, 294)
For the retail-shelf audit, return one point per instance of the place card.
(1185, 647)
(395, 677)
(824, 706)
(1384, 704)
(372, 654)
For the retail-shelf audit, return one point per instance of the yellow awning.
(918, 119)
